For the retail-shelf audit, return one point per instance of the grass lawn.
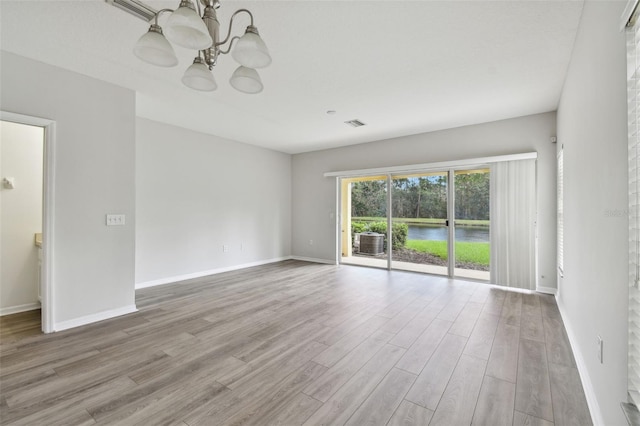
(465, 252)
(422, 221)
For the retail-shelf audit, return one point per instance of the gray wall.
(314, 196)
(197, 193)
(95, 153)
(592, 127)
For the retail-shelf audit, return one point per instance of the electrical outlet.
(115, 219)
(600, 350)
(225, 248)
(310, 242)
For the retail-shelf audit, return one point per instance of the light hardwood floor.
(296, 343)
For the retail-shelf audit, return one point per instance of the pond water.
(476, 234)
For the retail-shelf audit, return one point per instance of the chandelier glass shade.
(250, 51)
(187, 28)
(153, 48)
(198, 77)
(246, 80)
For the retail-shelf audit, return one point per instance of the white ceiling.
(402, 67)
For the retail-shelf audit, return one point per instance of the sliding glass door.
(419, 234)
(439, 222)
(472, 201)
(364, 221)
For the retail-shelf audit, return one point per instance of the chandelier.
(200, 31)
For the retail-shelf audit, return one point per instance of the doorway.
(420, 222)
(471, 232)
(363, 207)
(26, 240)
(434, 222)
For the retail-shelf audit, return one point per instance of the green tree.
(369, 198)
(423, 197)
(472, 196)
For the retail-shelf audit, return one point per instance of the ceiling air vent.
(354, 123)
(135, 7)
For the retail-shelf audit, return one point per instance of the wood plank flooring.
(295, 343)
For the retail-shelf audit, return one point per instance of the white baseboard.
(547, 290)
(589, 392)
(20, 308)
(100, 316)
(506, 288)
(314, 260)
(177, 278)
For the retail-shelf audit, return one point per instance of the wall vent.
(354, 123)
(135, 7)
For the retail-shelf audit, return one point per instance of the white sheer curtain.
(513, 221)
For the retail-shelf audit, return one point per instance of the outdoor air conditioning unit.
(371, 243)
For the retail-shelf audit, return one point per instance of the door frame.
(449, 173)
(48, 210)
(343, 213)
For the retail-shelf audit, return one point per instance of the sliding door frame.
(451, 222)
(450, 167)
(389, 221)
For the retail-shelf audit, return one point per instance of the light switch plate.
(115, 219)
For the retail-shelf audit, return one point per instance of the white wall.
(21, 156)
(592, 128)
(197, 193)
(314, 196)
(95, 158)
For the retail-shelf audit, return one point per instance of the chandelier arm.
(224, 52)
(160, 11)
(231, 25)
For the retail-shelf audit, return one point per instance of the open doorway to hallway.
(21, 218)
